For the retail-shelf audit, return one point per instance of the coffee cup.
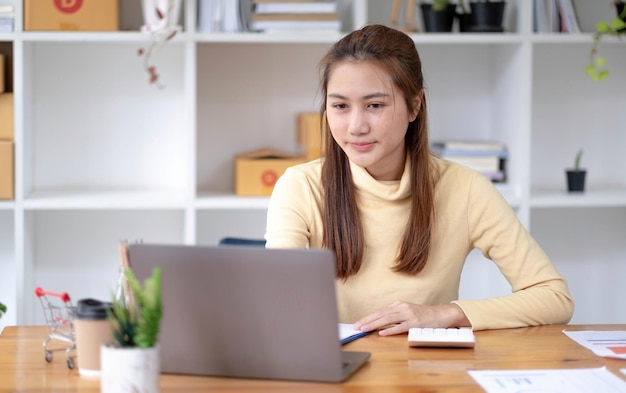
(92, 329)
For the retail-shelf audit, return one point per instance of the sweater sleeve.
(289, 212)
(539, 293)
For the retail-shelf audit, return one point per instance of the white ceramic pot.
(129, 369)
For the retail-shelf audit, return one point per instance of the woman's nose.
(358, 123)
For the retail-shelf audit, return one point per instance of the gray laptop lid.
(248, 312)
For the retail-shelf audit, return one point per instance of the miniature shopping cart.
(59, 313)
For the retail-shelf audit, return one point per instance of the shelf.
(7, 205)
(112, 199)
(71, 37)
(589, 198)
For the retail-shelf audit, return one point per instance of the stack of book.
(7, 17)
(486, 157)
(295, 15)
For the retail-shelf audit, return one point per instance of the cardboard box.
(80, 15)
(2, 71)
(7, 175)
(256, 172)
(6, 116)
(310, 135)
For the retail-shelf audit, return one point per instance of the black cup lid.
(92, 309)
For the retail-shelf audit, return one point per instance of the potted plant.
(131, 362)
(3, 309)
(438, 16)
(485, 16)
(161, 21)
(615, 27)
(576, 176)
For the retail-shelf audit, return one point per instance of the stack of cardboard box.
(6, 138)
(256, 171)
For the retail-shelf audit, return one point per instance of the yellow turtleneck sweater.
(470, 213)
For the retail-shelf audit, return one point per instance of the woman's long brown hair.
(395, 53)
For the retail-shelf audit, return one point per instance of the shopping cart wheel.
(48, 356)
(70, 363)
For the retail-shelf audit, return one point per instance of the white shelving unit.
(101, 155)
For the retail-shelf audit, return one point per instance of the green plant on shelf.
(3, 309)
(577, 160)
(596, 68)
(440, 5)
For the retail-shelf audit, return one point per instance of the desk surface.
(393, 366)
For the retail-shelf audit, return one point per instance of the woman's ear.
(417, 104)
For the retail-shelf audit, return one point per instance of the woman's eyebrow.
(365, 97)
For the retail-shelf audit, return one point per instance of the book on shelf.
(221, 16)
(329, 16)
(469, 145)
(292, 7)
(555, 16)
(297, 25)
(486, 157)
(569, 19)
(7, 18)
(546, 16)
(308, 15)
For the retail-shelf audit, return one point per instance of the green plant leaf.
(617, 24)
(600, 61)
(592, 72)
(603, 75)
(135, 319)
(603, 27)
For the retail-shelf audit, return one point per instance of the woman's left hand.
(400, 316)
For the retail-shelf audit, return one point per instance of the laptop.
(248, 312)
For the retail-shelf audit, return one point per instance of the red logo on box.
(68, 6)
(269, 177)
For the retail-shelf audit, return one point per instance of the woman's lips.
(361, 147)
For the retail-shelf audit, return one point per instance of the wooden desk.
(393, 367)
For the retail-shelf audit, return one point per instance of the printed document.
(610, 343)
(581, 380)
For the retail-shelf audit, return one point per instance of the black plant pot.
(619, 8)
(487, 17)
(438, 21)
(576, 180)
(464, 22)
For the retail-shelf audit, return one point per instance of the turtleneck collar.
(388, 190)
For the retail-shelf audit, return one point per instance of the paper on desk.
(610, 343)
(579, 380)
(347, 333)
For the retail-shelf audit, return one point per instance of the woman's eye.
(376, 105)
(339, 106)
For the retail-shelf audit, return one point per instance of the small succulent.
(440, 5)
(135, 316)
(577, 160)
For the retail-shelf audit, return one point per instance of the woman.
(401, 221)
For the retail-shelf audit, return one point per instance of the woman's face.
(368, 118)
